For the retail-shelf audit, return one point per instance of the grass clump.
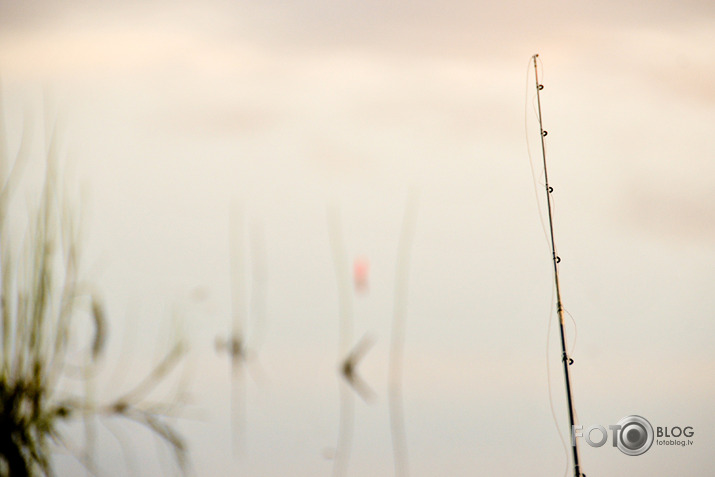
(40, 306)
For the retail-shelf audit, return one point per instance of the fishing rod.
(555, 258)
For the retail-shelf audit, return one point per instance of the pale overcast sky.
(173, 111)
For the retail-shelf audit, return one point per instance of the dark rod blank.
(559, 307)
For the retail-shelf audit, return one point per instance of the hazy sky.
(173, 111)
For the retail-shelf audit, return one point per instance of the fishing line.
(548, 381)
(528, 151)
(573, 320)
(575, 331)
(532, 99)
(573, 346)
(565, 359)
(553, 286)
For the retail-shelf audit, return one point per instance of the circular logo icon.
(635, 435)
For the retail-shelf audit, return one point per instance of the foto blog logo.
(633, 435)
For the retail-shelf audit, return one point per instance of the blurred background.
(173, 114)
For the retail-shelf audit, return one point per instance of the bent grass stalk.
(42, 296)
